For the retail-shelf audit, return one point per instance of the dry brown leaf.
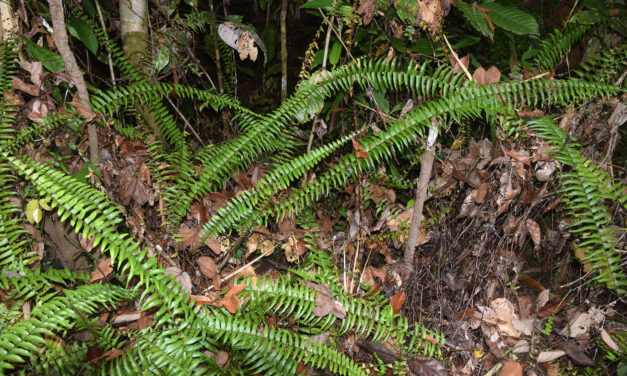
(207, 266)
(430, 12)
(493, 75)
(132, 188)
(191, 237)
(214, 245)
(103, 269)
(511, 369)
(548, 356)
(248, 271)
(479, 76)
(366, 9)
(246, 46)
(267, 247)
(534, 231)
(201, 300)
(578, 356)
(425, 366)
(20, 85)
(543, 298)
(180, 276)
(358, 149)
(609, 340)
(456, 66)
(112, 354)
(253, 243)
(505, 314)
(231, 303)
(398, 300)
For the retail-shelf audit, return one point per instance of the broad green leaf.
(263, 4)
(51, 61)
(334, 54)
(325, 4)
(586, 17)
(269, 37)
(81, 31)
(382, 101)
(161, 58)
(511, 19)
(476, 19)
(33, 212)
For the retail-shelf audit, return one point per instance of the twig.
(457, 59)
(104, 29)
(426, 165)
(283, 51)
(187, 124)
(60, 38)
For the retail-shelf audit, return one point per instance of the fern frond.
(557, 44)
(585, 189)
(20, 342)
(260, 135)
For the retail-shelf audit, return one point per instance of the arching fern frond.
(19, 342)
(586, 189)
(557, 44)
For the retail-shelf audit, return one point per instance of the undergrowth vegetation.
(309, 300)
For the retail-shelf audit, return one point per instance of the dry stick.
(187, 124)
(60, 38)
(457, 59)
(214, 34)
(426, 165)
(283, 51)
(104, 29)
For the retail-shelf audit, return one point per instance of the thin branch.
(61, 40)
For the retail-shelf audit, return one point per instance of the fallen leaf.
(457, 68)
(191, 237)
(534, 231)
(397, 301)
(207, 266)
(543, 298)
(366, 9)
(112, 354)
(103, 269)
(609, 340)
(20, 85)
(493, 75)
(132, 188)
(430, 12)
(578, 356)
(511, 369)
(425, 366)
(180, 276)
(231, 303)
(358, 149)
(548, 356)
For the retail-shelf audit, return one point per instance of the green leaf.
(382, 101)
(476, 19)
(33, 211)
(589, 17)
(81, 31)
(325, 4)
(334, 54)
(161, 58)
(269, 37)
(511, 19)
(51, 61)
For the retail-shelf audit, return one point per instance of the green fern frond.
(607, 66)
(19, 342)
(261, 135)
(558, 43)
(584, 189)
